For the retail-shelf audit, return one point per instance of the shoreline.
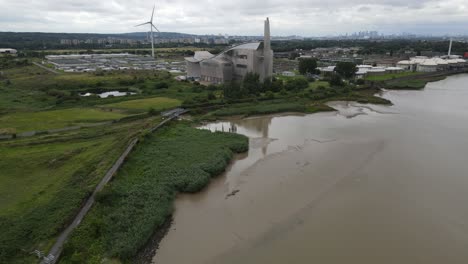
(149, 251)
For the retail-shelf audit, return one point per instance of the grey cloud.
(306, 17)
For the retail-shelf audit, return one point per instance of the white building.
(8, 51)
(426, 64)
(288, 73)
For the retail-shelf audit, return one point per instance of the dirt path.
(45, 68)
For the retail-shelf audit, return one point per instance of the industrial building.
(8, 51)
(363, 70)
(233, 63)
(425, 64)
(109, 62)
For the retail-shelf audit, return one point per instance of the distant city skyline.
(308, 18)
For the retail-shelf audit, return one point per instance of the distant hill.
(38, 40)
(142, 35)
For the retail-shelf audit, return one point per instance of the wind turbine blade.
(143, 24)
(155, 27)
(152, 14)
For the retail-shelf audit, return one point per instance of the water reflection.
(253, 127)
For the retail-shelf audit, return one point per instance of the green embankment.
(390, 76)
(44, 180)
(311, 101)
(140, 199)
(412, 84)
(28, 121)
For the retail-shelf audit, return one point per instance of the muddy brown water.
(365, 184)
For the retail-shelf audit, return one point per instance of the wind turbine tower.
(151, 29)
(450, 47)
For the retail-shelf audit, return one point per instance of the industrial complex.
(108, 62)
(233, 63)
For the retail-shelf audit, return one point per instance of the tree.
(346, 69)
(293, 55)
(336, 80)
(307, 66)
(277, 85)
(296, 84)
(232, 90)
(251, 83)
(267, 85)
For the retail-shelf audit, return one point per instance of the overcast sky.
(241, 17)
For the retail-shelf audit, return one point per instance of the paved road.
(45, 68)
(56, 249)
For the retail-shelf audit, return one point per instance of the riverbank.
(139, 201)
(307, 103)
(415, 82)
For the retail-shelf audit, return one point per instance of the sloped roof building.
(233, 63)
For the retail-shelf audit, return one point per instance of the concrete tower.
(267, 52)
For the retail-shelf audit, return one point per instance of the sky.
(239, 17)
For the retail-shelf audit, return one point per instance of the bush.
(297, 84)
(212, 87)
(161, 85)
(197, 89)
(152, 112)
(211, 96)
(270, 95)
(336, 80)
(321, 88)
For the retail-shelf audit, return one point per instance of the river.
(365, 184)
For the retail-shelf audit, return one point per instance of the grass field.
(29, 121)
(178, 158)
(156, 103)
(43, 181)
(314, 85)
(31, 88)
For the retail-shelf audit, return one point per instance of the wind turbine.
(151, 27)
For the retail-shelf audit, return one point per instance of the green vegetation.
(346, 69)
(179, 158)
(316, 84)
(307, 66)
(44, 180)
(262, 108)
(156, 103)
(24, 121)
(390, 76)
(30, 88)
(391, 47)
(413, 84)
(309, 101)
